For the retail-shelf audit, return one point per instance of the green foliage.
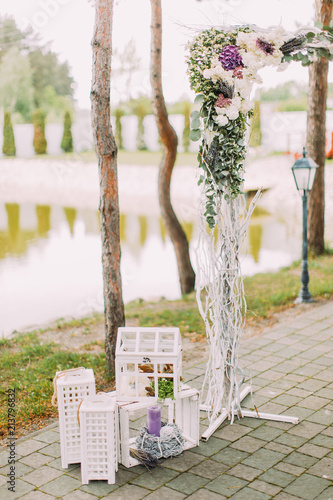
(140, 107)
(67, 139)
(119, 113)
(11, 36)
(284, 92)
(165, 388)
(8, 147)
(255, 131)
(16, 90)
(39, 141)
(186, 132)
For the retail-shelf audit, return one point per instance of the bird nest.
(169, 444)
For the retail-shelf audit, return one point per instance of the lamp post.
(304, 171)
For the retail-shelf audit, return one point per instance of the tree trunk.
(106, 151)
(316, 137)
(169, 140)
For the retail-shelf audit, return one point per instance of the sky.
(67, 25)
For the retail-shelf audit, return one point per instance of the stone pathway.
(291, 370)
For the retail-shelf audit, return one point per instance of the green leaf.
(319, 25)
(195, 123)
(199, 98)
(195, 114)
(195, 135)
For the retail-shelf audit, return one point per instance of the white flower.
(232, 112)
(221, 120)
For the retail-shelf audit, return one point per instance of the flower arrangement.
(222, 67)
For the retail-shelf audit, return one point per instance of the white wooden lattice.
(144, 356)
(71, 388)
(184, 412)
(99, 424)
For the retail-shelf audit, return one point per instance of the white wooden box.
(71, 388)
(99, 426)
(144, 357)
(132, 416)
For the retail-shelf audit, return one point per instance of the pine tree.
(40, 143)
(8, 147)
(67, 138)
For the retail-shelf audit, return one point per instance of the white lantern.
(148, 362)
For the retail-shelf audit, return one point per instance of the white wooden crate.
(132, 416)
(145, 356)
(71, 388)
(99, 427)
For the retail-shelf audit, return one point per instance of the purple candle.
(154, 420)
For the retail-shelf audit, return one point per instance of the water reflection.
(50, 259)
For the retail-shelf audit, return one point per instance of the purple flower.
(230, 58)
(266, 47)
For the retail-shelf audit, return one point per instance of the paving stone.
(277, 477)
(302, 393)
(39, 495)
(295, 470)
(287, 400)
(263, 459)
(265, 487)
(208, 448)
(165, 493)
(99, 488)
(281, 448)
(312, 385)
(313, 402)
(325, 393)
(3, 458)
(244, 472)
(226, 485)
(79, 495)
(300, 413)
(21, 488)
(293, 377)
(313, 450)
(184, 462)
(323, 440)
(154, 478)
(306, 429)
(3, 480)
(75, 473)
(126, 492)
(61, 486)
(323, 416)
(307, 486)
(209, 469)
(187, 483)
(204, 494)
(230, 456)
(42, 475)
(57, 464)
(53, 450)
(284, 384)
(269, 392)
(328, 431)
(326, 494)
(29, 446)
(248, 444)
(36, 459)
(20, 469)
(266, 433)
(48, 437)
(323, 468)
(232, 432)
(325, 375)
(250, 494)
(301, 460)
(290, 440)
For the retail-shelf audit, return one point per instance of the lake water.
(50, 259)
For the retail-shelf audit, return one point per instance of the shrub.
(255, 131)
(40, 143)
(8, 147)
(67, 138)
(187, 129)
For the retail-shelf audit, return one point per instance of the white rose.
(221, 120)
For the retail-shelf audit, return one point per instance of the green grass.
(266, 294)
(29, 366)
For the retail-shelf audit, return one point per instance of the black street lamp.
(304, 170)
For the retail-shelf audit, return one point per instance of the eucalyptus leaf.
(195, 135)
(199, 98)
(319, 25)
(195, 123)
(195, 114)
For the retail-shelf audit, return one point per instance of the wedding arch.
(223, 65)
